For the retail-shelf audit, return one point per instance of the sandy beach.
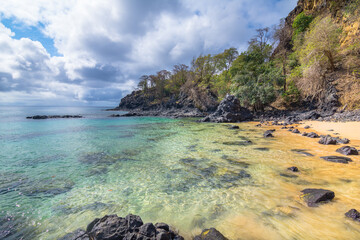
(350, 130)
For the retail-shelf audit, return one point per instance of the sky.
(93, 52)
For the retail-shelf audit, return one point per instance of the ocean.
(57, 175)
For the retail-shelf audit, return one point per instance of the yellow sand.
(350, 130)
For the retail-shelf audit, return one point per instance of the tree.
(280, 34)
(255, 76)
(144, 82)
(321, 43)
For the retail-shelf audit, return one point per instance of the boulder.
(314, 196)
(328, 140)
(229, 110)
(210, 234)
(307, 127)
(234, 127)
(337, 159)
(312, 135)
(353, 214)
(347, 150)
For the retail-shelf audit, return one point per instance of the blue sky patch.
(31, 32)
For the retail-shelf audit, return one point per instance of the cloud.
(105, 46)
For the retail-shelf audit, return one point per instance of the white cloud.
(107, 45)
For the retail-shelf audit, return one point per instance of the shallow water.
(57, 175)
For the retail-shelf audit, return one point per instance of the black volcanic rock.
(328, 140)
(37, 117)
(347, 150)
(229, 110)
(314, 196)
(293, 169)
(112, 227)
(353, 214)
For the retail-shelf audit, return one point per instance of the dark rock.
(302, 152)
(148, 229)
(258, 125)
(314, 196)
(307, 127)
(343, 141)
(229, 110)
(268, 134)
(134, 221)
(312, 135)
(337, 159)
(328, 140)
(162, 226)
(112, 227)
(116, 115)
(210, 234)
(163, 236)
(293, 169)
(288, 175)
(296, 131)
(262, 149)
(347, 150)
(353, 214)
(37, 117)
(238, 143)
(234, 127)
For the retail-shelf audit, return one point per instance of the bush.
(301, 23)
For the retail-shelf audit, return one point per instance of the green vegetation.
(301, 23)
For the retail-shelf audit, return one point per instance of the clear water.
(57, 175)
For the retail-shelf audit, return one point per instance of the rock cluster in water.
(229, 110)
(112, 227)
(53, 116)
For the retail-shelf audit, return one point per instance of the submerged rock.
(210, 234)
(238, 143)
(347, 150)
(302, 152)
(353, 214)
(314, 196)
(337, 159)
(229, 110)
(112, 227)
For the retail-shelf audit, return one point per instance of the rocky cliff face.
(194, 100)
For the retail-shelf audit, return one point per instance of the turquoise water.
(57, 175)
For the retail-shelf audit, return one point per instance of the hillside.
(311, 60)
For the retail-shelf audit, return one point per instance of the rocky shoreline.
(112, 227)
(39, 117)
(229, 110)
